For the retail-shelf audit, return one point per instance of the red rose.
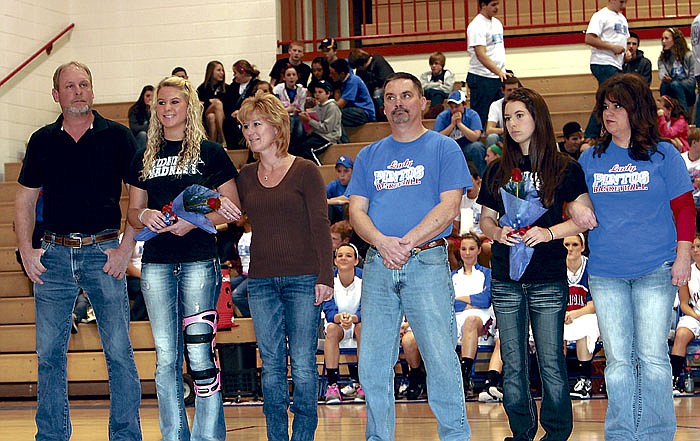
(214, 203)
(516, 175)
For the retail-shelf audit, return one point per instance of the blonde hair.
(194, 128)
(270, 109)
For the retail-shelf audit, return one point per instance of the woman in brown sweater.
(290, 271)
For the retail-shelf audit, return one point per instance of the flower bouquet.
(192, 205)
(522, 207)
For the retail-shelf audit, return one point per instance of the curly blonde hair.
(270, 109)
(194, 128)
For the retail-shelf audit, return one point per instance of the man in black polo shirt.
(80, 161)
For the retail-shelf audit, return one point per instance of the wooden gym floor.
(414, 421)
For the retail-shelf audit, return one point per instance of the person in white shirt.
(494, 122)
(487, 62)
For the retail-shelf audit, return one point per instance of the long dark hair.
(547, 163)
(632, 93)
(208, 76)
(141, 110)
(679, 48)
(675, 107)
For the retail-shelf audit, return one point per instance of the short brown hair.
(343, 228)
(693, 135)
(59, 69)
(437, 57)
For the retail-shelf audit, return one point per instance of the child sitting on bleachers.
(688, 328)
(343, 323)
(324, 120)
(437, 82)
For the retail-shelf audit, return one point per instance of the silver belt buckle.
(77, 237)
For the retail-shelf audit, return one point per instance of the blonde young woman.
(291, 274)
(181, 275)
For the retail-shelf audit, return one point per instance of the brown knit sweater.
(291, 232)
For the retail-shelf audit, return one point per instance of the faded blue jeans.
(286, 324)
(173, 292)
(422, 290)
(68, 270)
(633, 316)
(542, 306)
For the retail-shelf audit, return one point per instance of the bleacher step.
(14, 284)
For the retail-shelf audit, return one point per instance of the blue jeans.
(682, 90)
(239, 294)
(423, 291)
(542, 305)
(68, 270)
(633, 316)
(483, 91)
(601, 72)
(474, 152)
(286, 323)
(173, 292)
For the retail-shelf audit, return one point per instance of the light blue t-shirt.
(636, 230)
(469, 118)
(403, 180)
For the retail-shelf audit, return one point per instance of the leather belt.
(79, 240)
(429, 245)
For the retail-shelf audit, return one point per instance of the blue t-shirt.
(469, 118)
(636, 230)
(403, 180)
(335, 189)
(355, 92)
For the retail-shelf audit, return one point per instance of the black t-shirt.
(303, 71)
(165, 183)
(82, 181)
(549, 259)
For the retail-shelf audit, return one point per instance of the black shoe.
(468, 389)
(414, 391)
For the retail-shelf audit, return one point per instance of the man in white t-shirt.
(607, 35)
(487, 62)
(494, 122)
(695, 43)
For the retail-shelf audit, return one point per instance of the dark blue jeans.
(601, 72)
(286, 324)
(483, 91)
(682, 90)
(542, 306)
(68, 270)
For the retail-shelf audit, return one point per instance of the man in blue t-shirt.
(404, 195)
(463, 124)
(355, 101)
(335, 190)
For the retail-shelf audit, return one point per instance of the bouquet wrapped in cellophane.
(522, 208)
(191, 205)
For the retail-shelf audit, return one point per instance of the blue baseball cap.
(344, 161)
(457, 97)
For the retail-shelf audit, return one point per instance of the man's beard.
(78, 110)
(400, 115)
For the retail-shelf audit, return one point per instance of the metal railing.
(46, 47)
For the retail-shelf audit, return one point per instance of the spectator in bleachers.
(406, 219)
(335, 190)
(493, 392)
(692, 156)
(632, 283)
(541, 292)
(494, 121)
(262, 85)
(293, 96)
(580, 321)
(474, 315)
(343, 322)
(416, 373)
(355, 100)
(140, 114)
(487, 58)
(180, 273)
(239, 284)
(462, 124)
(291, 272)
(607, 35)
(341, 233)
(493, 152)
(245, 80)
(437, 82)
(296, 53)
(573, 138)
(695, 46)
(635, 61)
(319, 72)
(211, 93)
(688, 328)
(179, 72)
(329, 47)
(323, 120)
(677, 68)
(373, 70)
(133, 284)
(673, 122)
(78, 163)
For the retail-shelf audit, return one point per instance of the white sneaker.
(582, 389)
(349, 390)
(486, 397)
(496, 392)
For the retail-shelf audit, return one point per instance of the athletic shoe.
(496, 392)
(359, 393)
(486, 397)
(349, 390)
(414, 390)
(677, 387)
(582, 389)
(332, 394)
